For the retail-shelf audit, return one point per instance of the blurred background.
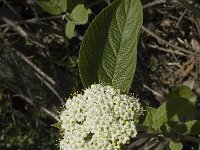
(39, 65)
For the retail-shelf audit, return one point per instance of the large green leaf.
(168, 112)
(109, 49)
(53, 6)
(179, 106)
(179, 103)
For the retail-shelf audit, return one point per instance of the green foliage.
(167, 119)
(178, 104)
(188, 128)
(55, 7)
(109, 49)
(175, 145)
(69, 30)
(79, 16)
(155, 118)
(183, 91)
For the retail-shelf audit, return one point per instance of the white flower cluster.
(99, 119)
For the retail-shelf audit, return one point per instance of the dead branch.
(33, 20)
(21, 32)
(164, 42)
(33, 66)
(190, 7)
(30, 102)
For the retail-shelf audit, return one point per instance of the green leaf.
(175, 145)
(149, 119)
(188, 128)
(109, 49)
(179, 106)
(157, 117)
(179, 103)
(55, 7)
(184, 92)
(80, 14)
(69, 17)
(169, 112)
(160, 116)
(69, 29)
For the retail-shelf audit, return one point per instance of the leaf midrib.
(112, 80)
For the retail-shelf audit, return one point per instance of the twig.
(21, 31)
(168, 135)
(32, 65)
(164, 42)
(39, 73)
(162, 145)
(153, 91)
(30, 102)
(156, 2)
(13, 10)
(181, 17)
(11, 107)
(108, 2)
(51, 88)
(168, 50)
(37, 20)
(55, 73)
(33, 20)
(16, 27)
(50, 113)
(25, 98)
(190, 7)
(137, 143)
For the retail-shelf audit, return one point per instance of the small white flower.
(99, 118)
